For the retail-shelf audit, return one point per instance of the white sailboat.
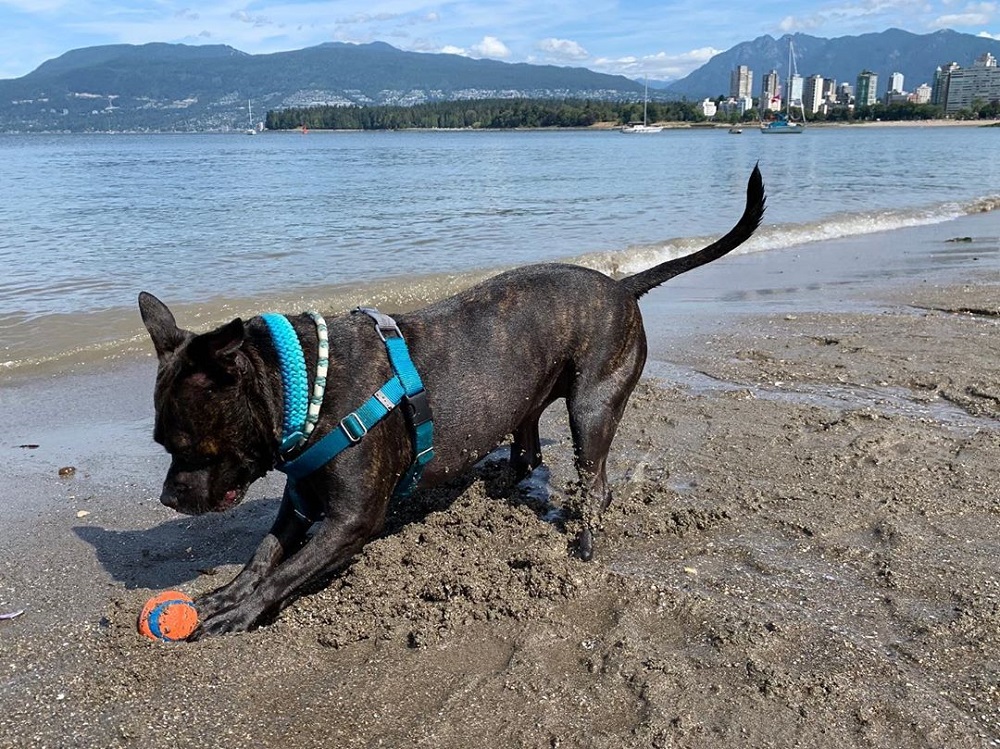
(783, 123)
(252, 129)
(644, 127)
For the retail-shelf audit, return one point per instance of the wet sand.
(802, 550)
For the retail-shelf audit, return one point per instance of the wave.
(784, 236)
(35, 345)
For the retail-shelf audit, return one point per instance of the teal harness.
(301, 412)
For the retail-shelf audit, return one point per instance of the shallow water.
(226, 225)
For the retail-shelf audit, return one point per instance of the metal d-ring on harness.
(403, 387)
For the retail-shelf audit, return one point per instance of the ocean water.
(222, 225)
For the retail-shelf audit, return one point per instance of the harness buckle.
(292, 441)
(418, 408)
(353, 427)
(391, 330)
(384, 324)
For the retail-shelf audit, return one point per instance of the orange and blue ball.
(169, 616)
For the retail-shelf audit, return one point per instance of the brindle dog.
(492, 359)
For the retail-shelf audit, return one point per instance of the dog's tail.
(642, 282)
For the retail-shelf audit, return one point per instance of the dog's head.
(205, 413)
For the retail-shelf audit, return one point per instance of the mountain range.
(175, 86)
(215, 87)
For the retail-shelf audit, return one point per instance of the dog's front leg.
(287, 532)
(336, 541)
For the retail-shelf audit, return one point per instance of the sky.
(663, 40)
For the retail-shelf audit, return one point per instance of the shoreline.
(801, 546)
(596, 127)
(65, 342)
(666, 125)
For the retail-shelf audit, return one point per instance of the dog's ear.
(160, 323)
(217, 352)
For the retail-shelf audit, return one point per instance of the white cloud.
(562, 49)
(661, 66)
(960, 19)
(973, 14)
(988, 35)
(791, 24)
(258, 22)
(367, 18)
(490, 46)
(448, 49)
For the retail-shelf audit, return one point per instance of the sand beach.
(802, 550)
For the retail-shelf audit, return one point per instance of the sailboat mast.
(788, 84)
(645, 100)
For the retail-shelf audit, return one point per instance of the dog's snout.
(172, 493)
(183, 489)
(169, 496)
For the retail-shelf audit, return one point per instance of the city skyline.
(953, 88)
(663, 41)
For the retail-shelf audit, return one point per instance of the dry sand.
(802, 551)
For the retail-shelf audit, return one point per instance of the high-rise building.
(770, 91)
(922, 95)
(981, 82)
(793, 89)
(939, 88)
(895, 94)
(741, 82)
(845, 94)
(812, 95)
(864, 94)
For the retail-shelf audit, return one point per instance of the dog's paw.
(213, 604)
(235, 619)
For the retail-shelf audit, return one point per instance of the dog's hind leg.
(526, 449)
(592, 435)
(595, 410)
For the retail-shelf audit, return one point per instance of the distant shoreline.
(598, 126)
(666, 125)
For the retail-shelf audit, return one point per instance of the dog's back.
(500, 352)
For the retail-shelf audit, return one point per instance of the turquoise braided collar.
(301, 412)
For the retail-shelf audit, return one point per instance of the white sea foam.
(784, 236)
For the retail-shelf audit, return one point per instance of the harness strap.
(404, 387)
(418, 411)
(351, 429)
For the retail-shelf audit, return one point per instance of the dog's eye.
(192, 461)
(192, 455)
(208, 447)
